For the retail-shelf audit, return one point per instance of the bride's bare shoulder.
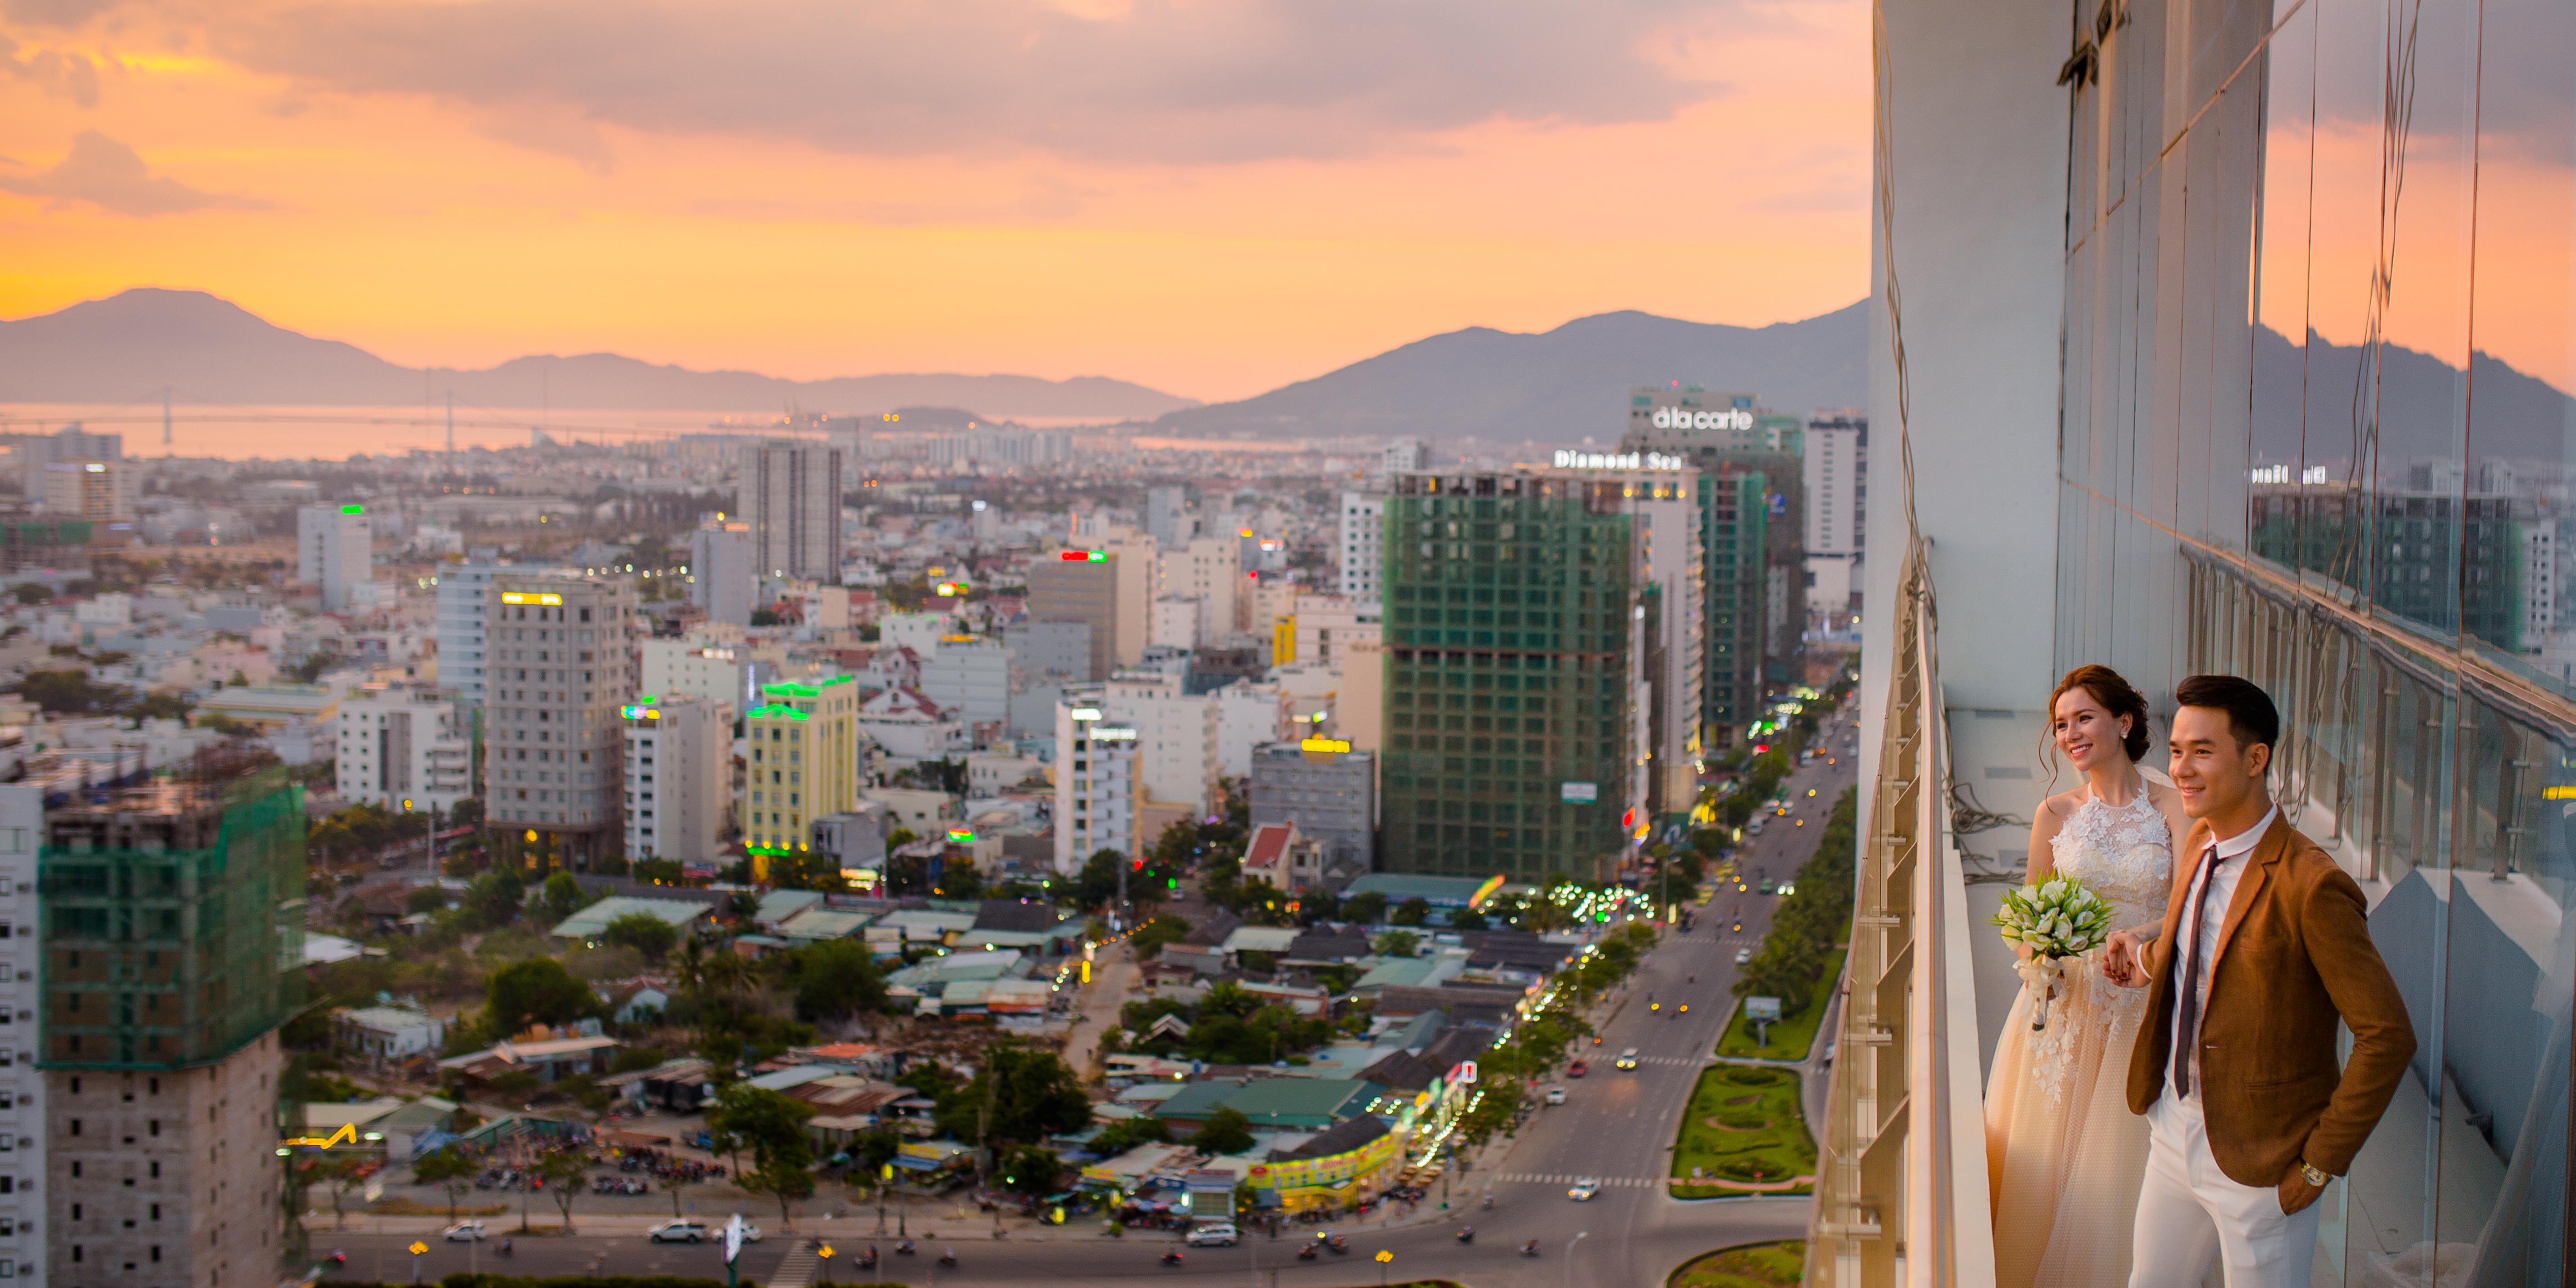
(2054, 811)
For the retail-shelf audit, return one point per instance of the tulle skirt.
(2064, 1156)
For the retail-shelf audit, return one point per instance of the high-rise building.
(1167, 516)
(1322, 786)
(1095, 781)
(22, 1085)
(790, 497)
(1726, 435)
(1511, 601)
(1177, 622)
(96, 491)
(724, 576)
(173, 918)
(73, 444)
(1209, 570)
(403, 747)
(559, 663)
(1398, 456)
(719, 674)
(1362, 517)
(1176, 740)
(678, 759)
(1106, 583)
(334, 551)
(1837, 496)
(969, 676)
(462, 591)
(803, 764)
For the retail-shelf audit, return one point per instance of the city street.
(1616, 1126)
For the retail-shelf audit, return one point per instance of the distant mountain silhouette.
(1557, 386)
(127, 347)
(2511, 416)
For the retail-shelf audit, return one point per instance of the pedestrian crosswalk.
(796, 1270)
(1569, 1178)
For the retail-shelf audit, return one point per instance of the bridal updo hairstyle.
(2116, 695)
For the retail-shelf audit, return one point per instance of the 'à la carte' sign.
(1685, 418)
(1571, 460)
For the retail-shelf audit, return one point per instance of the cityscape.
(1086, 642)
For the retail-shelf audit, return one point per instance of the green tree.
(1150, 937)
(1034, 1094)
(495, 898)
(340, 1174)
(1226, 1131)
(1032, 1170)
(1096, 885)
(1367, 908)
(560, 897)
(536, 991)
(1467, 919)
(1128, 1133)
(772, 1128)
(641, 931)
(447, 1169)
(835, 979)
(1398, 943)
(563, 1172)
(1412, 912)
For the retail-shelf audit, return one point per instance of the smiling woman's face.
(2086, 731)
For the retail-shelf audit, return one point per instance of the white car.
(750, 1232)
(1556, 1095)
(1627, 1059)
(465, 1232)
(1743, 955)
(678, 1231)
(1584, 1188)
(1215, 1234)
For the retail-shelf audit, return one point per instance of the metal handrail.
(1901, 1187)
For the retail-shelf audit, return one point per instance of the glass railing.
(1901, 1193)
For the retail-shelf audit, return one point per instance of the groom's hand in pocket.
(2296, 1194)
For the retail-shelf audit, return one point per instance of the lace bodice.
(2123, 852)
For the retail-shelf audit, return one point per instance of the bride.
(2064, 1155)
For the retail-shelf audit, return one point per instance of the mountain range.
(1556, 386)
(1500, 386)
(128, 347)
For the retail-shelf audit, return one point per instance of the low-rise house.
(551, 1061)
(587, 924)
(1300, 1104)
(388, 1032)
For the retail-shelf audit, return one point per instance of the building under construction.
(172, 922)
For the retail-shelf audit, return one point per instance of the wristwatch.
(2315, 1177)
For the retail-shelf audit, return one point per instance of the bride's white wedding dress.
(2064, 1155)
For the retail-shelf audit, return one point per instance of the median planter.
(1744, 1132)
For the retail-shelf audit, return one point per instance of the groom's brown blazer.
(2294, 955)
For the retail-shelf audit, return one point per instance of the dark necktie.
(2188, 1035)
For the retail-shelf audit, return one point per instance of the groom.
(2262, 949)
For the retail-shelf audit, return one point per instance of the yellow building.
(803, 764)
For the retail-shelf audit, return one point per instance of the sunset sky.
(1213, 197)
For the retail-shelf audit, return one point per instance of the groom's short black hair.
(2251, 717)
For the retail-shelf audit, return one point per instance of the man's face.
(2212, 772)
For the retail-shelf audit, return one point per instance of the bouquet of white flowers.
(2056, 919)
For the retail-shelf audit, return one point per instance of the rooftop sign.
(1685, 418)
(1571, 460)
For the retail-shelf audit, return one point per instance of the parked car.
(1584, 1188)
(1556, 1095)
(678, 1231)
(1743, 955)
(465, 1232)
(1215, 1234)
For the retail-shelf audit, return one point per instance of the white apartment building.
(1178, 622)
(22, 1091)
(1248, 714)
(970, 678)
(461, 611)
(1209, 570)
(718, 674)
(334, 552)
(1323, 627)
(723, 579)
(400, 746)
(1398, 456)
(1836, 479)
(1095, 781)
(1363, 536)
(790, 496)
(1176, 755)
(678, 754)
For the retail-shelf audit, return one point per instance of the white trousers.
(2190, 1214)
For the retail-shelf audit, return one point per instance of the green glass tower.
(1510, 601)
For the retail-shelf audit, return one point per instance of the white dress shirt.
(2221, 883)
